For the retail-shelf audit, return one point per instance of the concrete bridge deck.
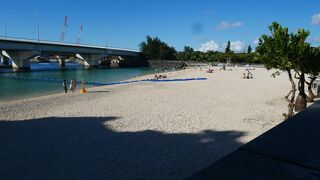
(22, 50)
(290, 150)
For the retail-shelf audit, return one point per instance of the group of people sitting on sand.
(247, 75)
(160, 76)
(210, 70)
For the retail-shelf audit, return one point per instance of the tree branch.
(295, 75)
(308, 83)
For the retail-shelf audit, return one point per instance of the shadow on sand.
(97, 91)
(86, 148)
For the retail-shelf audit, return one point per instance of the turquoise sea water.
(27, 84)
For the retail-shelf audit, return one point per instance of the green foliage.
(285, 51)
(213, 56)
(313, 67)
(186, 54)
(249, 49)
(155, 49)
(188, 49)
(274, 49)
(228, 48)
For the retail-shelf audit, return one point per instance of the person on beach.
(210, 70)
(65, 86)
(74, 85)
(318, 90)
(71, 85)
(247, 75)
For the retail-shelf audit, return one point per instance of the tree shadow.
(86, 148)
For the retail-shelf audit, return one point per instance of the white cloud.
(313, 40)
(315, 19)
(256, 42)
(228, 25)
(209, 46)
(238, 46)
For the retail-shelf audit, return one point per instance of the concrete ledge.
(290, 150)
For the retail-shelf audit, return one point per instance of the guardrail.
(28, 40)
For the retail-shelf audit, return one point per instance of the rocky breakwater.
(166, 64)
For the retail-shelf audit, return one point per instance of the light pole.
(38, 28)
(107, 44)
(5, 27)
(36, 14)
(107, 37)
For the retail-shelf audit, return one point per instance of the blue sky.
(201, 24)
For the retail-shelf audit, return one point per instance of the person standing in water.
(71, 85)
(318, 90)
(74, 84)
(65, 86)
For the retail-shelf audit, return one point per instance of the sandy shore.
(166, 130)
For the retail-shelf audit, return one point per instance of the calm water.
(13, 89)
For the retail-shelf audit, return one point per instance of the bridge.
(22, 50)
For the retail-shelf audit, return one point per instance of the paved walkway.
(291, 150)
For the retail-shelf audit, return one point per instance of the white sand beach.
(163, 130)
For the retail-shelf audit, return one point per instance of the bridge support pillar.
(91, 60)
(62, 62)
(20, 59)
(1, 60)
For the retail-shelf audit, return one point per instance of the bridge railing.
(8, 38)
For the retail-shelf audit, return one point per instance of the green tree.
(188, 52)
(188, 49)
(228, 48)
(313, 71)
(180, 56)
(289, 53)
(249, 49)
(154, 48)
(273, 51)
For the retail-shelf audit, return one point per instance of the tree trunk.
(311, 96)
(291, 99)
(301, 101)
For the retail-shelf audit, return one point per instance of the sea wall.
(156, 64)
(133, 62)
(166, 64)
